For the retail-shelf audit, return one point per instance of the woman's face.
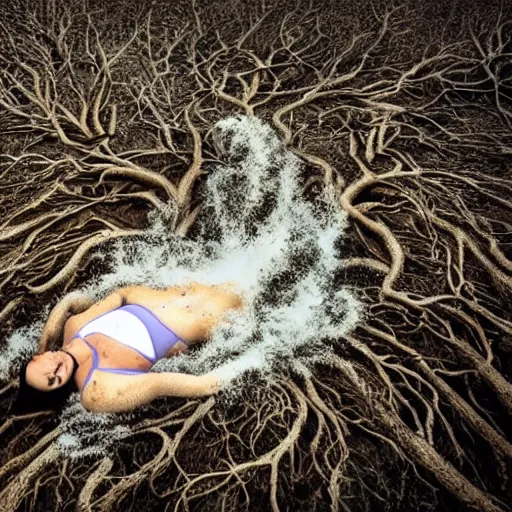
(49, 370)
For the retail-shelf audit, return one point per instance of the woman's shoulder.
(71, 327)
(93, 395)
(109, 392)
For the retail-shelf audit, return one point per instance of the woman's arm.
(117, 393)
(72, 304)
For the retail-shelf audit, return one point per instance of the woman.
(109, 347)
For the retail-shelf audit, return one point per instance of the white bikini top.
(123, 327)
(134, 326)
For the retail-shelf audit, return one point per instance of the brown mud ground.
(106, 112)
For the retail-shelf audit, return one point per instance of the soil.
(107, 111)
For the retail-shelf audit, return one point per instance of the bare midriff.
(190, 311)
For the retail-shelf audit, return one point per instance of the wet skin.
(190, 311)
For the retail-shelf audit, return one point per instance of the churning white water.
(255, 229)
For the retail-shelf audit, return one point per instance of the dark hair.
(30, 399)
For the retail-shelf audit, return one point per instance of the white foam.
(20, 346)
(255, 227)
(258, 230)
(86, 433)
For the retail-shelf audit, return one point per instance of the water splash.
(20, 346)
(255, 229)
(258, 230)
(88, 434)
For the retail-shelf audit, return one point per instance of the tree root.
(410, 131)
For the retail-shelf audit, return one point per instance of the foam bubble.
(255, 229)
(20, 346)
(88, 434)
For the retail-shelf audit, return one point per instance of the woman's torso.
(191, 312)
